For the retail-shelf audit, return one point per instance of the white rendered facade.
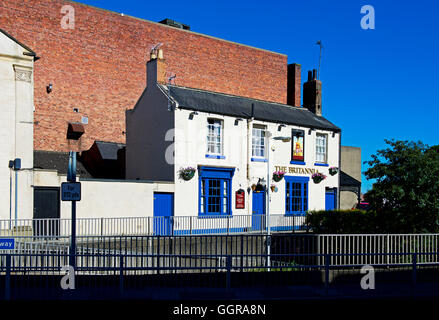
(164, 137)
(16, 127)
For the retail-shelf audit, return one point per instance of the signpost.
(71, 191)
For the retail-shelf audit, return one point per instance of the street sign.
(71, 191)
(7, 244)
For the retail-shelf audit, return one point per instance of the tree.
(405, 196)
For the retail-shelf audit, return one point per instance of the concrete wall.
(16, 127)
(106, 198)
(350, 164)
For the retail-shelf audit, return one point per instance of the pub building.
(224, 153)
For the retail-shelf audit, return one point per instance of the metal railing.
(352, 249)
(362, 249)
(179, 225)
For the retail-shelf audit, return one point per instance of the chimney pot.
(312, 93)
(156, 68)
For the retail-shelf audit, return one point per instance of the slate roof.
(348, 181)
(109, 150)
(241, 107)
(58, 161)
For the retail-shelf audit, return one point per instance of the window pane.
(214, 137)
(258, 141)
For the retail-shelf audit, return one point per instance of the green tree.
(405, 196)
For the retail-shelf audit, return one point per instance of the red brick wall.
(100, 67)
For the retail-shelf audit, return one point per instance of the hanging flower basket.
(318, 177)
(273, 188)
(253, 187)
(186, 173)
(333, 171)
(278, 175)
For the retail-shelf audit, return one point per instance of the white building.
(225, 139)
(16, 127)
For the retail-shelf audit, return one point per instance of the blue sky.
(377, 84)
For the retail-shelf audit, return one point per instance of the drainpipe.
(249, 150)
(339, 171)
(17, 166)
(11, 166)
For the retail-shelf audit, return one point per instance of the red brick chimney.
(294, 84)
(156, 68)
(312, 93)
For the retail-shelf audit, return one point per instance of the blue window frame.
(215, 191)
(296, 195)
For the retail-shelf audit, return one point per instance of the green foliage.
(341, 221)
(405, 196)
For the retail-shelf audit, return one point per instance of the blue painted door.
(258, 211)
(163, 213)
(330, 199)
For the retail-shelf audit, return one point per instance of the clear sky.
(377, 84)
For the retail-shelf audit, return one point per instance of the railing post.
(121, 275)
(229, 270)
(158, 254)
(388, 250)
(414, 267)
(228, 225)
(242, 253)
(326, 272)
(190, 225)
(8, 278)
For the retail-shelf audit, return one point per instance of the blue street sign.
(7, 244)
(71, 191)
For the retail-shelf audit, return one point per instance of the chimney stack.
(312, 93)
(156, 67)
(294, 84)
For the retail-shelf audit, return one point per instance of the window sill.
(321, 164)
(258, 160)
(302, 163)
(214, 156)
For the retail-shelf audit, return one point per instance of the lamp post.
(267, 188)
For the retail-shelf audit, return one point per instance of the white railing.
(379, 249)
(180, 225)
